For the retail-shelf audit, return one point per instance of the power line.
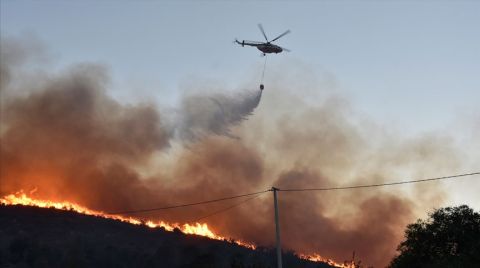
(188, 204)
(291, 190)
(379, 184)
(334, 188)
(227, 208)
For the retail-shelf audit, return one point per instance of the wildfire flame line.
(201, 229)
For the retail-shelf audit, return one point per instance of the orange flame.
(317, 258)
(201, 229)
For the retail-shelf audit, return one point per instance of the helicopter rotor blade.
(263, 31)
(283, 34)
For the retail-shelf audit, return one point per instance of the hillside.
(39, 237)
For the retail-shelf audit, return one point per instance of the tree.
(450, 237)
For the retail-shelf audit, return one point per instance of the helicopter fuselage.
(269, 48)
(264, 47)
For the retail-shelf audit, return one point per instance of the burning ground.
(39, 237)
(64, 137)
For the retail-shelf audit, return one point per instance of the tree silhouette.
(450, 237)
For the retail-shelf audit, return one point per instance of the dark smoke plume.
(69, 140)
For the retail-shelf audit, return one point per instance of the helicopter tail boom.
(240, 43)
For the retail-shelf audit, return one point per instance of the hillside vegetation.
(38, 237)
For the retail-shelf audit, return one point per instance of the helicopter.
(265, 47)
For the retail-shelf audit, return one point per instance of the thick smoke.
(71, 141)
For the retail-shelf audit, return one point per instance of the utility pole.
(277, 229)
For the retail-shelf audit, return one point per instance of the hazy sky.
(411, 64)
